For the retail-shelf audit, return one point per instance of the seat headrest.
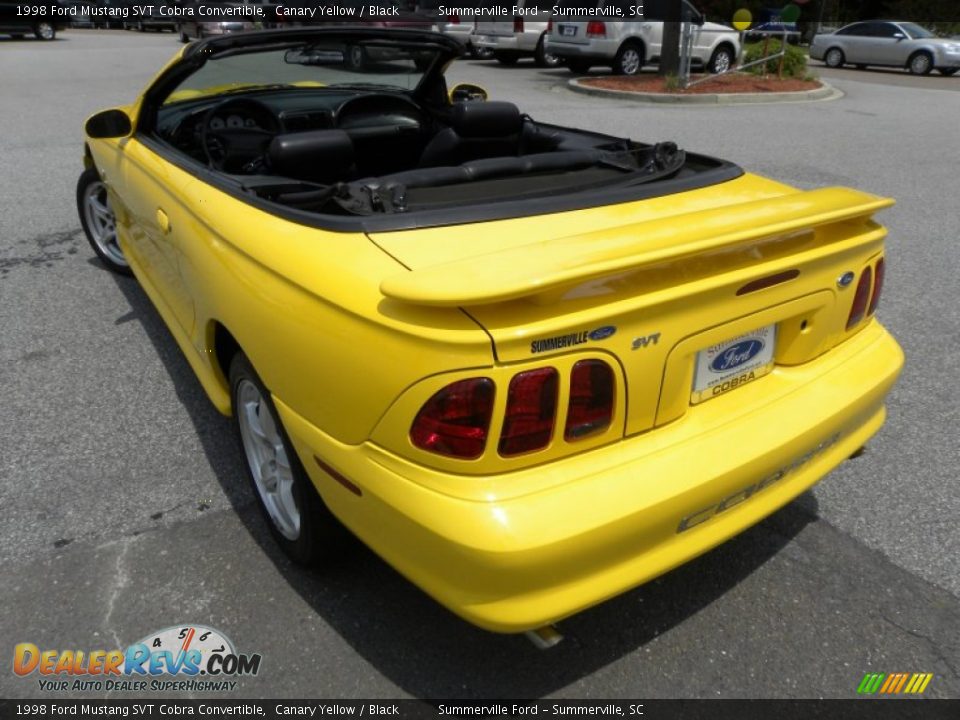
(317, 155)
(486, 119)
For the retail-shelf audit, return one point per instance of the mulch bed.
(726, 84)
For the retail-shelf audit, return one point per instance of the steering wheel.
(235, 134)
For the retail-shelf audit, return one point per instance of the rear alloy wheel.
(98, 221)
(949, 72)
(834, 58)
(545, 59)
(629, 59)
(721, 60)
(297, 517)
(921, 64)
(45, 31)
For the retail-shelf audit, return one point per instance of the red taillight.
(877, 287)
(531, 412)
(860, 299)
(518, 24)
(596, 28)
(456, 420)
(591, 399)
(549, 26)
(453, 19)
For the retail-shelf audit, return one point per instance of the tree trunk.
(670, 52)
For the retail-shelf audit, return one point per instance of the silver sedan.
(895, 44)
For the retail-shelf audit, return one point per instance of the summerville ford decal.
(564, 341)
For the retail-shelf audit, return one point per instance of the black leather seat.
(321, 156)
(476, 130)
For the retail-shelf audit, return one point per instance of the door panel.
(153, 193)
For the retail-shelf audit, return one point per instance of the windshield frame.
(353, 75)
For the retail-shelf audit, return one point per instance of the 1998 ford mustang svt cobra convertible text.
(530, 366)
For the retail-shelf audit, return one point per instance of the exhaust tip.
(545, 637)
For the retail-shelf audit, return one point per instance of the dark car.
(41, 19)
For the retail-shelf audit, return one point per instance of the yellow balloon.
(742, 19)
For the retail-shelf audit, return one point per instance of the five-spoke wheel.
(98, 221)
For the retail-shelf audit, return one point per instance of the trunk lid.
(652, 283)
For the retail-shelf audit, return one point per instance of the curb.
(821, 94)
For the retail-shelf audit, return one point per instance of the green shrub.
(794, 62)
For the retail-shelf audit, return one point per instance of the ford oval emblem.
(602, 333)
(845, 279)
(736, 355)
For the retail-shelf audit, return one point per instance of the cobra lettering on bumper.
(701, 516)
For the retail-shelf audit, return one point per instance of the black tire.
(480, 53)
(141, 27)
(834, 58)
(920, 63)
(629, 59)
(580, 67)
(508, 59)
(949, 72)
(183, 36)
(320, 534)
(356, 57)
(45, 31)
(544, 59)
(86, 186)
(722, 59)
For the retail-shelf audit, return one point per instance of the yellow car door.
(154, 191)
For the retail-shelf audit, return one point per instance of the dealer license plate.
(568, 30)
(731, 364)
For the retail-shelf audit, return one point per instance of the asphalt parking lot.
(125, 509)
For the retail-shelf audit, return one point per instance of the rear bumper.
(517, 43)
(600, 50)
(622, 514)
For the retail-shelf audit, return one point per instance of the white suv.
(629, 45)
(517, 37)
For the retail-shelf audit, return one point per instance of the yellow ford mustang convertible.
(530, 366)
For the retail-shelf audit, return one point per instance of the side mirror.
(899, 36)
(465, 92)
(109, 124)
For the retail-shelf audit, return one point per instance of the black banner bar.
(365, 11)
(856, 709)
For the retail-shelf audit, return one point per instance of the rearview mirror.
(465, 92)
(109, 124)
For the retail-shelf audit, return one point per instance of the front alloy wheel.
(721, 61)
(99, 224)
(921, 64)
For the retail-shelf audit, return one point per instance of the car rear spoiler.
(538, 267)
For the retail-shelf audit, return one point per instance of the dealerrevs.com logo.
(184, 658)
